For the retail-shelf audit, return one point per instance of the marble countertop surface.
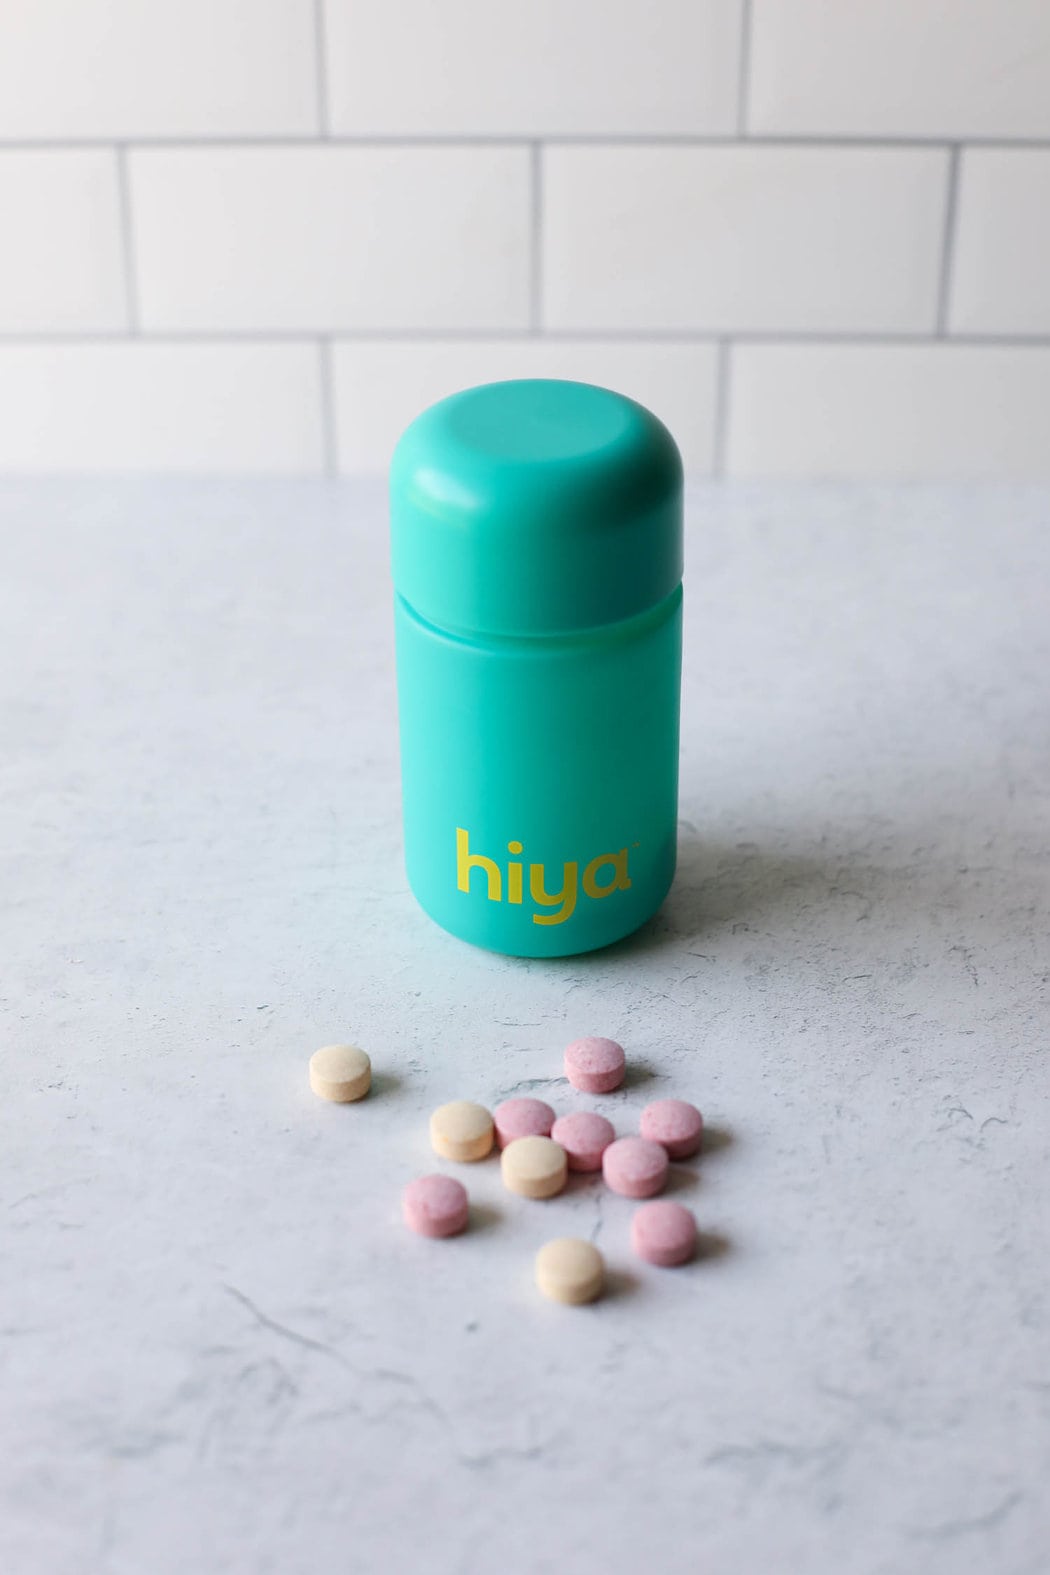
(219, 1349)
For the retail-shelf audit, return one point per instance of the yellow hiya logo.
(563, 902)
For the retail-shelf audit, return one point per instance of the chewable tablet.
(533, 1167)
(518, 1118)
(436, 1206)
(341, 1073)
(584, 1136)
(634, 1167)
(569, 1270)
(461, 1130)
(663, 1233)
(595, 1066)
(675, 1125)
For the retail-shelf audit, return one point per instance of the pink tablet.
(436, 1206)
(596, 1066)
(635, 1167)
(678, 1126)
(663, 1233)
(584, 1136)
(518, 1118)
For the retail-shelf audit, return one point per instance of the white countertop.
(219, 1349)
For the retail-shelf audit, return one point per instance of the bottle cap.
(535, 507)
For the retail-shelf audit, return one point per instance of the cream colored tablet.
(534, 1167)
(340, 1072)
(570, 1270)
(461, 1130)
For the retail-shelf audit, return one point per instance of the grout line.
(328, 437)
(685, 336)
(951, 210)
(841, 140)
(321, 67)
(127, 240)
(723, 375)
(536, 240)
(657, 336)
(743, 88)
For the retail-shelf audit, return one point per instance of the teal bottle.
(536, 531)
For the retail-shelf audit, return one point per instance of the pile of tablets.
(538, 1150)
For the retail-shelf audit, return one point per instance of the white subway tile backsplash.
(655, 67)
(61, 260)
(157, 68)
(289, 238)
(900, 68)
(641, 193)
(379, 388)
(904, 411)
(1001, 273)
(743, 238)
(165, 407)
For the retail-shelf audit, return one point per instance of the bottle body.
(540, 778)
